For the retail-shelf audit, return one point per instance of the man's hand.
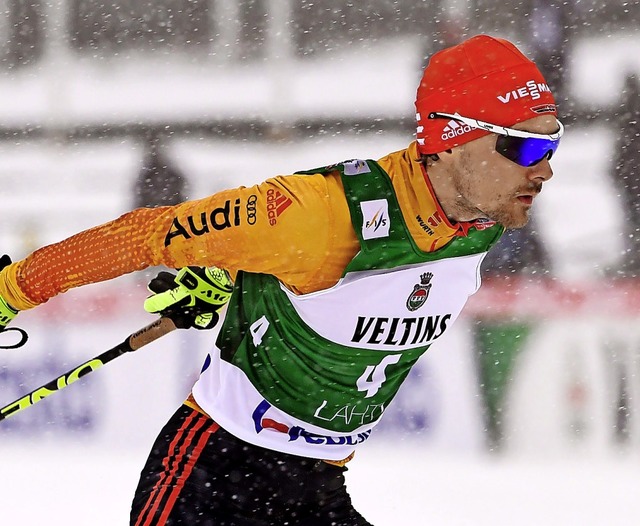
(7, 312)
(192, 298)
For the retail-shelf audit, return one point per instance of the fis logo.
(355, 167)
(454, 129)
(375, 219)
(530, 89)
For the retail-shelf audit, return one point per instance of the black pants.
(199, 475)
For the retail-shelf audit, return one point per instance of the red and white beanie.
(483, 78)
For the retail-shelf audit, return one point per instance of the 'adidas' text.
(276, 205)
(454, 129)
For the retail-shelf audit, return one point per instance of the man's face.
(489, 185)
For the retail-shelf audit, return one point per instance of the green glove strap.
(7, 313)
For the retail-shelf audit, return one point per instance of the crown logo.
(425, 279)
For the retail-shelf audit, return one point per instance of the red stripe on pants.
(176, 451)
(193, 458)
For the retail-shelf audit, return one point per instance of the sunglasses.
(522, 147)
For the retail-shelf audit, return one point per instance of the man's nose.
(541, 171)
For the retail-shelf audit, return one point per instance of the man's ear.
(443, 156)
(432, 158)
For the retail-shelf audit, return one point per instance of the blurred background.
(528, 412)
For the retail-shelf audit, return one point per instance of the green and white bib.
(312, 374)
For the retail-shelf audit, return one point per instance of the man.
(344, 276)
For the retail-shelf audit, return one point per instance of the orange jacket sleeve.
(285, 226)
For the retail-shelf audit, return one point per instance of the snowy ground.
(406, 486)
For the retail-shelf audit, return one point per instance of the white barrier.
(575, 386)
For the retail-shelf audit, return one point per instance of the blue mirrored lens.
(526, 151)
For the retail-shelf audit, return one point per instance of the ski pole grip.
(151, 332)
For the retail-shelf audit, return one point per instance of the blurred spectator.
(549, 27)
(518, 252)
(498, 343)
(159, 182)
(626, 172)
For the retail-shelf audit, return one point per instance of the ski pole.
(133, 342)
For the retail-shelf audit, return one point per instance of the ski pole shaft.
(133, 342)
